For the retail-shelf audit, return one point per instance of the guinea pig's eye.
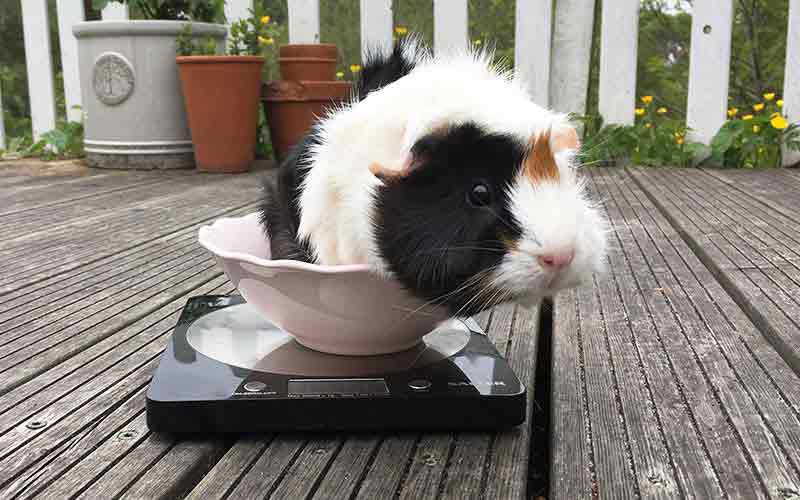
(480, 195)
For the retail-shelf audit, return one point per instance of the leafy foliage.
(188, 45)
(63, 142)
(754, 139)
(255, 34)
(656, 139)
(209, 11)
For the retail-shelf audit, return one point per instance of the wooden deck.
(674, 374)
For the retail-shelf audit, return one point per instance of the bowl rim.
(205, 240)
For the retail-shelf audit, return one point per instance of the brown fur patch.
(540, 165)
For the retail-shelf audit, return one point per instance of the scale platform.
(227, 369)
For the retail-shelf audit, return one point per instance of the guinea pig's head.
(473, 218)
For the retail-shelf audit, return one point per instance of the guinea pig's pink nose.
(557, 261)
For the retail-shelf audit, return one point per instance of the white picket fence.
(554, 61)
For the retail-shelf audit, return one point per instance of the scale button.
(255, 386)
(420, 385)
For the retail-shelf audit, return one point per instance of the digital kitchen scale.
(227, 369)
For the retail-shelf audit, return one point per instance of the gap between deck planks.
(661, 385)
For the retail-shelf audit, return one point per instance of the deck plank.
(73, 465)
(715, 426)
(771, 303)
(56, 291)
(43, 255)
(662, 385)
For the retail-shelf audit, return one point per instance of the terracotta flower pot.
(308, 62)
(221, 97)
(293, 107)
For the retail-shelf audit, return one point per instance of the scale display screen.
(338, 387)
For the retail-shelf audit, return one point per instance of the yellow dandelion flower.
(756, 129)
(648, 125)
(355, 68)
(747, 117)
(732, 112)
(400, 30)
(265, 19)
(661, 110)
(758, 107)
(265, 41)
(679, 140)
(779, 103)
(478, 42)
(647, 99)
(340, 74)
(779, 122)
(769, 96)
(639, 111)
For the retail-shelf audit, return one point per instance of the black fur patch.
(433, 238)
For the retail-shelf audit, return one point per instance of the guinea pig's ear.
(564, 138)
(385, 174)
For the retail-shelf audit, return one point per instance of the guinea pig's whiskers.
(435, 301)
(442, 250)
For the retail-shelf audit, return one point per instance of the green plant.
(754, 139)
(15, 147)
(209, 11)
(254, 35)
(187, 45)
(655, 139)
(63, 142)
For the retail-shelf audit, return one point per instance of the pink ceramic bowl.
(334, 309)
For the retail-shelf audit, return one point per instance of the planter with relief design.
(134, 115)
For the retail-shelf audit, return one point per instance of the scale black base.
(228, 370)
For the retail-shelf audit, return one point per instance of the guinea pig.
(443, 174)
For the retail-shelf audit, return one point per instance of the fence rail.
(554, 63)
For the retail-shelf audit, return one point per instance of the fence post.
(69, 13)
(376, 25)
(532, 47)
(791, 82)
(450, 25)
(572, 47)
(39, 66)
(303, 21)
(619, 40)
(709, 66)
(2, 121)
(115, 12)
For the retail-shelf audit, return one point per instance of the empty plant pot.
(293, 107)
(308, 62)
(221, 96)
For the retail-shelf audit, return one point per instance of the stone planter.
(134, 111)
